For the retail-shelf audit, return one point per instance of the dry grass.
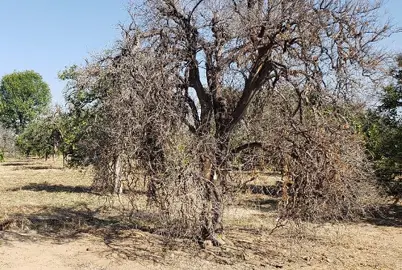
(27, 185)
(44, 203)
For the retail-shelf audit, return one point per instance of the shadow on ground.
(45, 167)
(24, 165)
(267, 198)
(268, 204)
(17, 163)
(390, 216)
(132, 239)
(54, 188)
(69, 189)
(264, 189)
(138, 237)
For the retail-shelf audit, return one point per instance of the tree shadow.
(263, 189)
(390, 216)
(68, 223)
(16, 163)
(45, 167)
(139, 238)
(134, 245)
(26, 165)
(132, 238)
(54, 188)
(265, 197)
(268, 204)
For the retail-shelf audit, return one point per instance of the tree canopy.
(23, 96)
(383, 130)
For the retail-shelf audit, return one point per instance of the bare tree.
(190, 76)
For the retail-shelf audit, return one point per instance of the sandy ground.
(46, 222)
(86, 253)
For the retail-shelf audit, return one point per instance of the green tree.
(42, 137)
(78, 124)
(23, 96)
(383, 130)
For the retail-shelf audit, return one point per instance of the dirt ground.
(49, 219)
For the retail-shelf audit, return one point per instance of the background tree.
(192, 77)
(43, 136)
(78, 123)
(383, 129)
(23, 96)
(7, 142)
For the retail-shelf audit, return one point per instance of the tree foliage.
(79, 122)
(383, 130)
(43, 136)
(189, 90)
(23, 96)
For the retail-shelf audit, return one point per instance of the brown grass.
(49, 214)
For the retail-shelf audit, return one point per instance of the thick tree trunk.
(213, 208)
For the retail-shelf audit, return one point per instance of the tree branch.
(258, 76)
(250, 145)
(194, 112)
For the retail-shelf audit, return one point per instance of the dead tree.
(189, 74)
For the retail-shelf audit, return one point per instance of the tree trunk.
(54, 148)
(118, 187)
(213, 205)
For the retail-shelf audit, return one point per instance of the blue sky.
(48, 35)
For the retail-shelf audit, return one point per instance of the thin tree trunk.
(118, 187)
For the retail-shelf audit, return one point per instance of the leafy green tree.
(383, 130)
(33, 141)
(23, 96)
(42, 137)
(79, 124)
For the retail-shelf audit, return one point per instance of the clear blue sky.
(48, 35)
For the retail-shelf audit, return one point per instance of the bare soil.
(50, 219)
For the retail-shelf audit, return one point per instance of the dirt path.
(87, 253)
